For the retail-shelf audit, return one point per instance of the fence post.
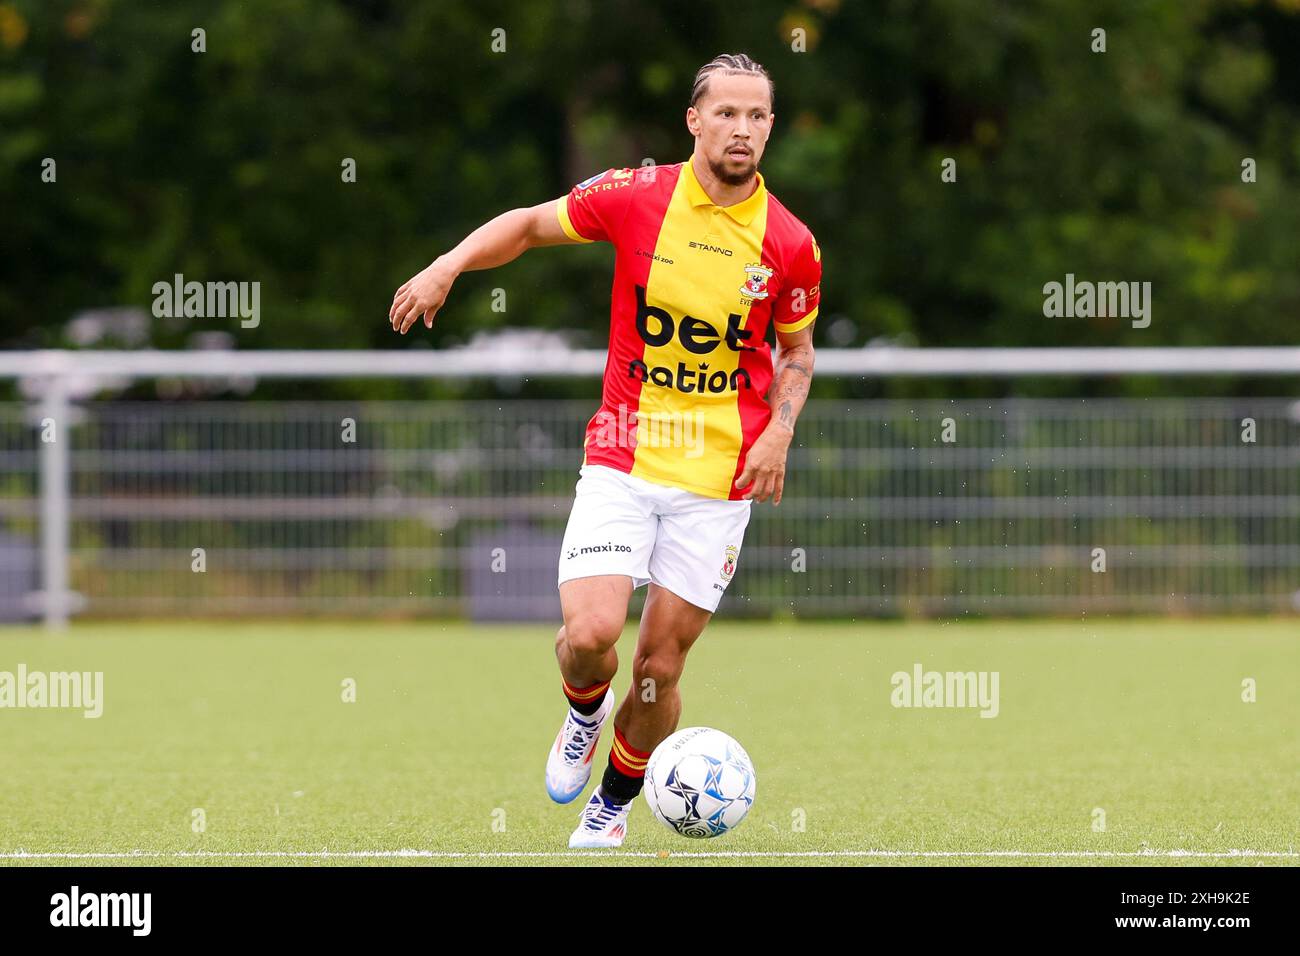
(54, 466)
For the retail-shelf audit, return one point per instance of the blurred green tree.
(227, 164)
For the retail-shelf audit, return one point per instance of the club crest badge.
(755, 286)
(729, 562)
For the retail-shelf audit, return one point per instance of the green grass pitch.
(442, 751)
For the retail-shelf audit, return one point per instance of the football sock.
(626, 770)
(586, 700)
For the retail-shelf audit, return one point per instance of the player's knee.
(662, 669)
(591, 633)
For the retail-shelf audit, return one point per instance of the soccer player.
(694, 425)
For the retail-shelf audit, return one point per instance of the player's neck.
(722, 194)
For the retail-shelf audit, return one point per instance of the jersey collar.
(743, 212)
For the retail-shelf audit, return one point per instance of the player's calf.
(649, 714)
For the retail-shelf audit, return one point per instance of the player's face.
(731, 123)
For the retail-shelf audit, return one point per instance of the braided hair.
(728, 64)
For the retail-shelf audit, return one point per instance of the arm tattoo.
(790, 385)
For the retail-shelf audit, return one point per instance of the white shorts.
(681, 541)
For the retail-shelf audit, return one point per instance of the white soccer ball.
(700, 782)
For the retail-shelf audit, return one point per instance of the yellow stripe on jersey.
(692, 439)
(796, 326)
(562, 211)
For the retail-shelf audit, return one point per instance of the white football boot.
(568, 765)
(603, 824)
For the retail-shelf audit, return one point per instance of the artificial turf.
(443, 749)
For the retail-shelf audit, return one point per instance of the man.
(684, 441)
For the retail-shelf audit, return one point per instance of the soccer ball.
(700, 782)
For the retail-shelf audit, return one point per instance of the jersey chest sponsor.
(658, 328)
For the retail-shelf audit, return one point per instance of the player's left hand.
(765, 466)
(421, 296)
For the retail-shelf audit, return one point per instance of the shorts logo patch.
(599, 548)
(729, 562)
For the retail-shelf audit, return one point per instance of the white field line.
(690, 854)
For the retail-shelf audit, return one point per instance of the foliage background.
(225, 165)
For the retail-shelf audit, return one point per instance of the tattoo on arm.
(790, 385)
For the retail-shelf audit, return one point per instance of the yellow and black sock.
(626, 770)
(586, 700)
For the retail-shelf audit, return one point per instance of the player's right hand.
(421, 295)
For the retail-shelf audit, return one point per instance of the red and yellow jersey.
(696, 286)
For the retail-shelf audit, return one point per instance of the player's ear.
(693, 120)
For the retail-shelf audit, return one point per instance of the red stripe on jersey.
(781, 241)
(610, 438)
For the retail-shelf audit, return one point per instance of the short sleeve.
(801, 292)
(595, 209)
